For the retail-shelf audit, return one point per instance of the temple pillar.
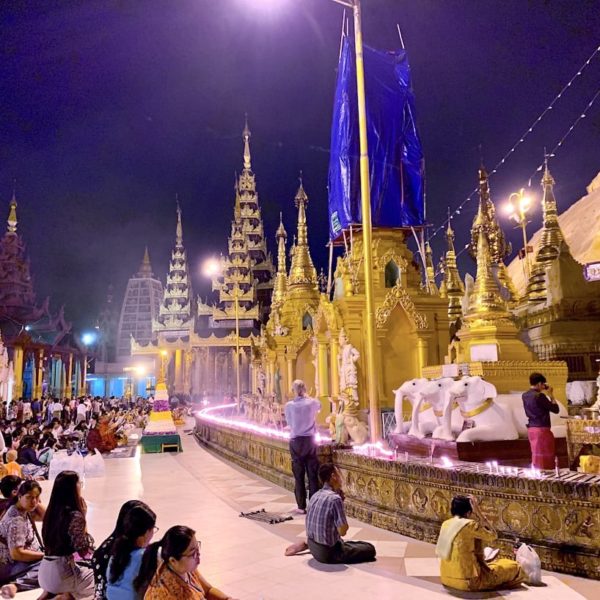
(323, 380)
(39, 374)
(334, 346)
(290, 362)
(69, 377)
(422, 355)
(178, 384)
(271, 376)
(84, 373)
(18, 372)
(63, 379)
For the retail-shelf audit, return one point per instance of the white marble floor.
(245, 558)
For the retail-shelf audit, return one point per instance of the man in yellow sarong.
(460, 548)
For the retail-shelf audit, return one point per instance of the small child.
(12, 467)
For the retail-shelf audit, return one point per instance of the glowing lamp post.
(211, 269)
(518, 206)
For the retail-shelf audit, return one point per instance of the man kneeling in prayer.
(326, 524)
(460, 548)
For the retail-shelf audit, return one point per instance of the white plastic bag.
(94, 465)
(61, 461)
(530, 562)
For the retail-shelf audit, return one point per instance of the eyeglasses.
(195, 553)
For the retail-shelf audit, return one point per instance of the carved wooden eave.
(399, 295)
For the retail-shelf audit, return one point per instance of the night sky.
(108, 109)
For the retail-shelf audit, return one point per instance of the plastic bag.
(61, 461)
(94, 465)
(530, 562)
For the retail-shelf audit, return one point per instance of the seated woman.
(102, 553)
(127, 551)
(177, 576)
(65, 532)
(20, 551)
(460, 548)
(28, 459)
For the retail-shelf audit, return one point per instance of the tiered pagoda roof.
(247, 271)
(175, 313)
(19, 310)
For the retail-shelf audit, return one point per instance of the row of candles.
(373, 450)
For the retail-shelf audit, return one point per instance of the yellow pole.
(236, 290)
(365, 204)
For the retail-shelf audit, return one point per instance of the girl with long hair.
(102, 554)
(64, 532)
(127, 551)
(177, 576)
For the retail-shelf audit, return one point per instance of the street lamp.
(518, 206)
(212, 268)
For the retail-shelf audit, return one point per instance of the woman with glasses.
(127, 551)
(64, 533)
(177, 576)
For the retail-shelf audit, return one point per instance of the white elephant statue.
(445, 408)
(513, 404)
(423, 420)
(476, 400)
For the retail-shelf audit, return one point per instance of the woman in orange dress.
(177, 576)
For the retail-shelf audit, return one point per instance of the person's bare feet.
(8, 591)
(296, 548)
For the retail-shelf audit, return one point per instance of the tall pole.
(526, 255)
(236, 290)
(365, 205)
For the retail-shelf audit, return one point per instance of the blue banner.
(395, 155)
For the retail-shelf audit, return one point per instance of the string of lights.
(524, 136)
(553, 152)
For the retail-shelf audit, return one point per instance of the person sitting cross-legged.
(460, 548)
(326, 523)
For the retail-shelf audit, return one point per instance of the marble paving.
(245, 558)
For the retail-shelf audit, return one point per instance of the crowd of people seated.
(31, 432)
(65, 563)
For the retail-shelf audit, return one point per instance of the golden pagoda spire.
(280, 287)
(455, 288)
(486, 220)
(485, 302)
(552, 242)
(12, 214)
(179, 228)
(429, 269)
(246, 135)
(302, 270)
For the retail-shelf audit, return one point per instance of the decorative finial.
(281, 232)
(179, 229)
(12, 211)
(302, 270)
(246, 135)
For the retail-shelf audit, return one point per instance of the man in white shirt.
(81, 413)
(57, 409)
(300, 416)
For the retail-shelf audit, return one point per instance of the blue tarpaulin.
(395, 155)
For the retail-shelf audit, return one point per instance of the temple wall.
(559, 518)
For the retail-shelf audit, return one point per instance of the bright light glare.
(140, 370)
(164, 352)
(88, 338)
(211, 267)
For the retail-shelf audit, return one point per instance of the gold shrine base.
(559, 517)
